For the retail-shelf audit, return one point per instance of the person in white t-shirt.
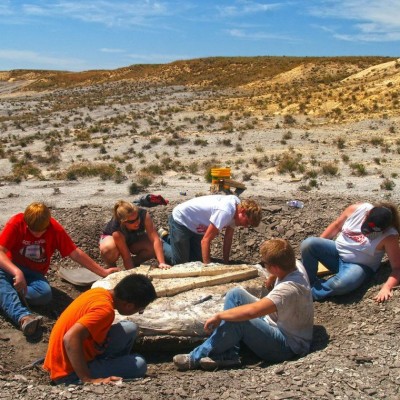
(276, 328)
(196, 222)
(365, 233)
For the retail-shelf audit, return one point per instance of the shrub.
(358, 169)
(289, 119)
(22, 169)
(239, 147)
(340, 143)
(387, 184)
(85, 170)
(312, 173)
(226, 142)
(288, 135)
(345, 158)
(193, 167)
(329, 169)
(145, 180)
(289, 162)
(376, 141)
(152, 169)
(134, 188)
(200, 142)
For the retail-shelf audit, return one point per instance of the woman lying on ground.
(130, 231)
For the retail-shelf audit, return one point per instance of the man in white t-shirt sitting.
(196, 222)
(276, 328)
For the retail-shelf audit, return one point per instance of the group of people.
(85, 345)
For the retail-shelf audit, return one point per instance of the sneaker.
(183, 362)
(30, 324)
(162, 233)
(209, 364)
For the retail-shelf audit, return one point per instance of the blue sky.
(106, 34)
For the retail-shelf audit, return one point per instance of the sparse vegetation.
(289, 162)
(358, 169)
(110, 128)
(387, 184)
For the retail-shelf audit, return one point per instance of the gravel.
(355, 352)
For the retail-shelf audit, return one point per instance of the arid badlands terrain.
(323, 130)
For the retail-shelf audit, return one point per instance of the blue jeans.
(183, 246)
(116, 359)
(266, 341)
(349, 276)
(38, 293)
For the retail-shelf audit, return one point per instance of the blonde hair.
(122, 209)
(37, 217)
(252, 210)
(278, 252)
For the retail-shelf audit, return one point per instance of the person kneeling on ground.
(276, 328)
(27, 244)
(366, 233)
(131, 230)
(86, 346)
(196, 222)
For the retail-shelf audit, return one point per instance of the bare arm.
(335, 227)
(242, 313)
(211, 232)
(123, 249)
(73, 343)
(392, 248)
(83, 259)
(228, 243)
(155, 239)
(8, 266)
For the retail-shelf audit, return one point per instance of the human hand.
(109, 271)
(383, 295)
(212, 323)
(20, 282)
(270, 282)
(164, 266)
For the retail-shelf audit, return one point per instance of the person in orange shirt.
(86, 346)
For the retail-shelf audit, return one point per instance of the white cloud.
(372, 20)
(246, 7)
(107, 50)
(110, 13)
(5, 8)
(36, 60)
(240, 33)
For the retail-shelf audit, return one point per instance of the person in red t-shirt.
(27, 243)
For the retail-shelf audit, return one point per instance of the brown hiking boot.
(30, 324)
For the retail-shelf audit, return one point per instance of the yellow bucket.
(220, 173)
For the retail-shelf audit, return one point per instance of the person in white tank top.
(365, 233)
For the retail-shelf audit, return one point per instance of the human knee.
(41, 298)
(140, 366)
(130, 328)
(236, 292)
(342, 286)
(236, 295)
(307, 245)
